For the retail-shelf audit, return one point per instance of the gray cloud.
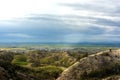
(98, 22)
(106, 6)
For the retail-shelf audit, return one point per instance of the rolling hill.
(104, 65)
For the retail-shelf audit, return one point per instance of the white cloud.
(90, 14)
(20, 8)
(18, 35)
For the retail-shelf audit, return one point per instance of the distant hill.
(101, 66)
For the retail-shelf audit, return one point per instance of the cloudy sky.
(60, 21)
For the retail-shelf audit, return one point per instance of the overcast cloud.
(60, 20)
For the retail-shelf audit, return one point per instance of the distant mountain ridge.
(62, 44)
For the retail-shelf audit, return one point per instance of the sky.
(70, 21)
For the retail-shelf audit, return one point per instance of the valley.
(58, 63)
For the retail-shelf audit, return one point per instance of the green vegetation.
(38, 58)
(48, 72)
(49, 64)
(17, 67)
(20, 60)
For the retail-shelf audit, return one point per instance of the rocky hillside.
(101, 66)
(10, 71)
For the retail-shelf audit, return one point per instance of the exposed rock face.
(91, 63)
